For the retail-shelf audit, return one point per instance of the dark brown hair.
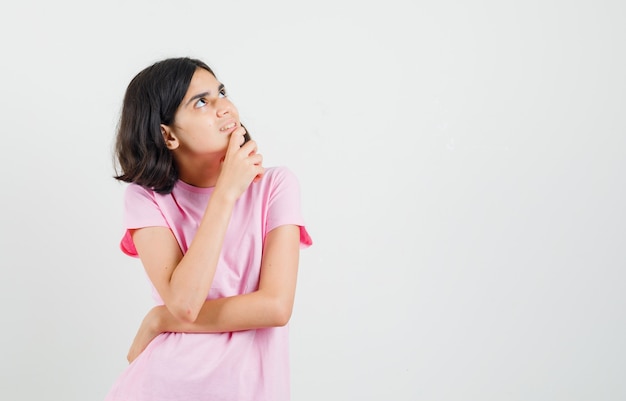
(151, 99)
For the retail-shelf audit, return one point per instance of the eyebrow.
(203, 94)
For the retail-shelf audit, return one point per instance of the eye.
(223, 93)
(200, 103)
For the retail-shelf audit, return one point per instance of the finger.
(246, 137)
(259, 176)
(236, 139)
(249, 147)
(256, 158)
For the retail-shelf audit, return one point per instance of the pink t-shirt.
(243, 366)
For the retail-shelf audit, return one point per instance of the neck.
(200, 173)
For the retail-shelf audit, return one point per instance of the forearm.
(241, 312)
(194, 274)
(269, 306)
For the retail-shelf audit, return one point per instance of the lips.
(229, 127)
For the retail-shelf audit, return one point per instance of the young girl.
(219, 236)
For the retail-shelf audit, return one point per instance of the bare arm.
(184, 281)
(269, 306)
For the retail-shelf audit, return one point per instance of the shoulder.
(136, 193)
(279, 175)
(136, 189)
(278, 183)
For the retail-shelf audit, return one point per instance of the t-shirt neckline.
(190, 188)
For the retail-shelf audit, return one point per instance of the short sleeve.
(140, 210)
(284, 204)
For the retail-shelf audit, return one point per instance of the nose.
(224, 107)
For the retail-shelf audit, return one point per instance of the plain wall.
(462, 170)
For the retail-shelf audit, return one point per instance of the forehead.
(202, 81)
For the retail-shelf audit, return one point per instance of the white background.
(462, 170)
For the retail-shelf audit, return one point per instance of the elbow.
(183, 312)
(281, 313)
(188, 317)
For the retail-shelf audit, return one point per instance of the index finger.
(236, 138)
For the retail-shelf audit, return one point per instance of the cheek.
(233, 108)
(201, 123)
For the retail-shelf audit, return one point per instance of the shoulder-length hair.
(151, 99)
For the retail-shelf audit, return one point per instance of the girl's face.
(204, 120)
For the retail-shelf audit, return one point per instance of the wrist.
(158, 321)
(222, 197)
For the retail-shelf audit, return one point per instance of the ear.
(170, 138)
